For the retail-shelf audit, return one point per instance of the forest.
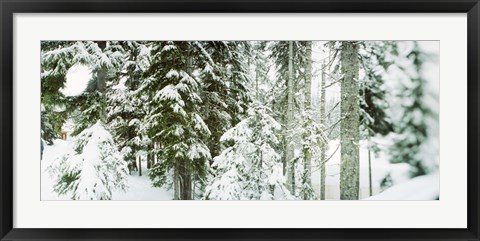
(240, 120)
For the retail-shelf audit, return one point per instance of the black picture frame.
(9, 7)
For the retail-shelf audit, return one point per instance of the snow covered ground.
(139, 187)
(419, 188)
(380, 168)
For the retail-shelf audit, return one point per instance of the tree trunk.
(149, 159)
(257, 75)
(101, 80)
(185, 181)
(370, 174)
(140, 165)
(102, 72)
(349, 125)
(184, 174)
(284, 157)
(176, 181)
(290, 124)
(308, 110)
(324, 146)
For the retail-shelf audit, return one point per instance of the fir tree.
(223, 78)
(418, 126)
(173, 117)
(289, 59)
(125, 109)
(375, 58)
(313, 138)
(250, 168)
(105, 61)
(93, 168)
(57, 58)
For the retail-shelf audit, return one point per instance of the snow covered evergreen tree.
(125, 109)
(47, 131)
(223, 78)
(260, 66)
(173, 118)
(289, 58)
(105, 59)
(57, 58)
(248, 104)
(375, 58)
(417, 129)
(313, 139)
(250, 168)
(93, 168)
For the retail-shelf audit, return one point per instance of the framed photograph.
(236, 120)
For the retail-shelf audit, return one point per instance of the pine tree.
(290, 62)
(93, 169)
(57, 58)
(125, 105)
(223, 82)
(418, 126)
(250, 168)
(313, 139)
(105, 59)
(262, 65)
(173, 117)
(47, 131)
(375, 57)
(373, 102)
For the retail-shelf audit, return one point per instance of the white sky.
(76, 80)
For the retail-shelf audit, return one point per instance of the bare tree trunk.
(349, 126)
(308, 110)
(324, 146)
(290, 124)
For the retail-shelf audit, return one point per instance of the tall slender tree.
(308, 112)
(349, 126)
(324, 147)
(289, 155)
